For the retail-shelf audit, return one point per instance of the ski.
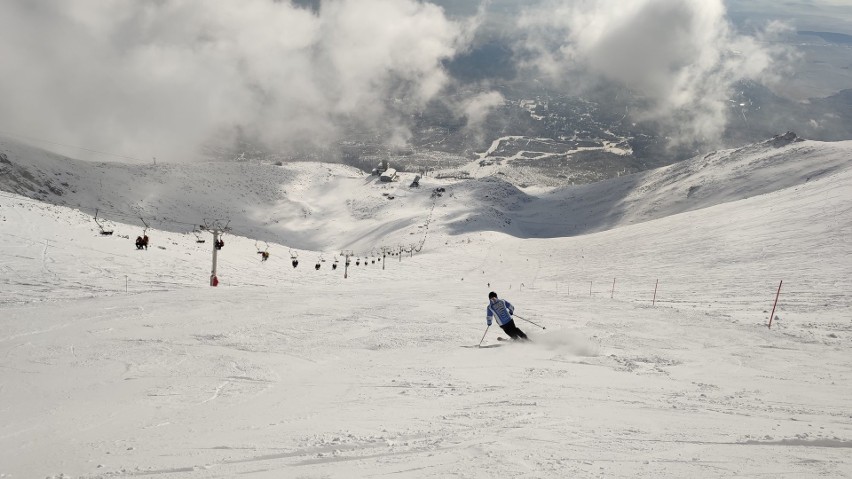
(500, 338)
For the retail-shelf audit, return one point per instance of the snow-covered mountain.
(655, 290)
(331, 207)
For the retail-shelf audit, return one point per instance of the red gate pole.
(655, 292)
(612, 293)
(772, 314)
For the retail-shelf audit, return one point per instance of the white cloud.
(158, 78)
(476, 108)
(682, 56)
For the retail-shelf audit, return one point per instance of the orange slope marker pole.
(772, 314)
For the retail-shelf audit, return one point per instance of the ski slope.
(124, 363)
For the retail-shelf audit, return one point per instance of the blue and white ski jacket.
(500, 308)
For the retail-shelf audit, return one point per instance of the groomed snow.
(124, 363)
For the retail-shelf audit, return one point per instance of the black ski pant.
(513, 331)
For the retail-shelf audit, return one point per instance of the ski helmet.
(492, 295)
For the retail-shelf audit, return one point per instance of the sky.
(818, 15)
(159, 79)
(651, 353)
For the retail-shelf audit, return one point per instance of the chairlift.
(357, 261)
(142, 241)
(294, 258)
(198, 238)
(264, 254)
(104, 232)
(334, 265)
(220, 243)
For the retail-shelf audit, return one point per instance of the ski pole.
(483, 336)
(527, 320)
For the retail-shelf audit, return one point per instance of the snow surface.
(124, 363)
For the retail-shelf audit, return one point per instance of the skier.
(503, 310)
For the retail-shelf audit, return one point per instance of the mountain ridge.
(324, 206)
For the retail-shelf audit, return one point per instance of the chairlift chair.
(264, 254)
(144, 234)
(104, 232)
(142, 241)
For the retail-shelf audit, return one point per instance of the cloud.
(477, 107)
(681, 57)
(161, 77)
(147, 78)
(475, 110)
